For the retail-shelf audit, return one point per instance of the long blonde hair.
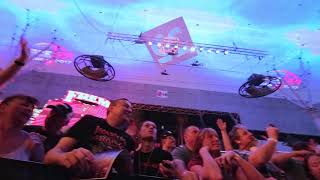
(202, 134)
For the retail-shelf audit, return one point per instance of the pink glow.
(52, 52)
(79, 108)
(290, 78)
(59, 52)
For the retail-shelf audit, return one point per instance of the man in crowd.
(183, 154)
(91, 135)
(17, 144)
(149, 160)
(168, 141)
(263, 156)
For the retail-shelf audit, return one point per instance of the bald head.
(190, 135)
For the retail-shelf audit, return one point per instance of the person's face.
(169, 141)
(245, 137)
(212, 141)
(19, 112)
(191, 134)
(314, 166)
(148, 129)
(122, 110)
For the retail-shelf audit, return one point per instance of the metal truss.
(199, 47)
(175, 110)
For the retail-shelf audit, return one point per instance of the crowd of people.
(204, 155)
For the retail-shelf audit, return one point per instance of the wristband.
(18, 63)
(272, 139)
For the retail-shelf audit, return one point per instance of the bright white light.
(150, 43)
(192, 49)
(159, 44)
(209, 51)
(176, 46)
(167, 45)
(226, 52)
(201, 49)
(184, 48)
(217, 51)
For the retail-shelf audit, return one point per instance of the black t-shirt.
(96, 135)
(51, 139)
(148, 163)
(295, 170)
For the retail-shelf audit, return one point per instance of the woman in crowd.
(208, 163)
(312, 163)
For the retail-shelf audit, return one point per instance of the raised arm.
(225, 137)
(281, 158)
(245, 170)
(264, 153)
(16, 65)
(210, 167)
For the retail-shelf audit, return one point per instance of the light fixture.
(226, 52)
(185, 45)
(196, 63)
(164, 72)
(150, 43)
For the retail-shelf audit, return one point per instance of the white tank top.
(21, 153)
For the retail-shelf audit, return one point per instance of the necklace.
(142, 169)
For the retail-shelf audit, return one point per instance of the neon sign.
(80, 108)
(75, 95)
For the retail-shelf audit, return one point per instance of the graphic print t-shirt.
(96, 135)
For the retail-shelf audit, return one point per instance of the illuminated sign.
(77, 100)
(75, 95)
(162, 94)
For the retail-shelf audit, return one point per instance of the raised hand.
(204, 149)
(226, 159)
(221, 124)
(272, 132)
(24, 54)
